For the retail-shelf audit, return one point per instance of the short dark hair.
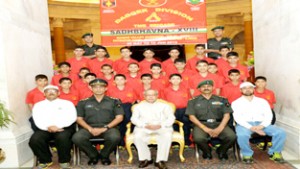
(260, 78)
(174, 48)
(104, 48)
(224, 47)
(119, 75)
(106, 65)
(133, 63)
(40, 76)
(152, 50)
(90, 74)
(181, 60)
(125, 47)
(232, 53)
(201, 61)
(64, 79)
(146, 75)
(233, 71)
(155, 65)
(175, 74)
(64, 63)
(200, 45)
(84, 68)
(212, 64)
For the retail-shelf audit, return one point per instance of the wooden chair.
(177, 137)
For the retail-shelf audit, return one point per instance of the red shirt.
(133, 82)
(121, 65)
(178, 97)
(159, 83)
(267, 95)
(191, 63)
(72, 96)
(231, 91)
(243, 72)
(56, 78)
(34, 96)
(197, 78)
(168, 66)
(145, 65)
(109, 81)
(78, 84)
(95, 65)
(221, 64)
(76, 65)
(84, 92)
(127, 95)
(186, 74)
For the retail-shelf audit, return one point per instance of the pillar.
(248, 36)
(59, 42)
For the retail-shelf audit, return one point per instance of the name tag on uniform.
(216, 103)
(89, 106)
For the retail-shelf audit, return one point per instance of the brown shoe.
(145, 163)
(161, 165)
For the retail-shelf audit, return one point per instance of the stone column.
(59, 42)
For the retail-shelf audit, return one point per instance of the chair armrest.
(180, 125)
(128, 126)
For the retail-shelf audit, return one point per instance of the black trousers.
(180, 116)
(39, 143)
(111, 136)
(122, 126)
(227, 137)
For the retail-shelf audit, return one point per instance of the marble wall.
(25, 51)
(277, 48)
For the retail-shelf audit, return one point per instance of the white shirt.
(59, 113)
(256, 110)
(157, 113)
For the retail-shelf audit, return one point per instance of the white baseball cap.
(50, 87)
(247, 84)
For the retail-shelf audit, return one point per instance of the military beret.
(246, 84)
(87, 34)
(98, 82)
(217, 27)
(205, 82)
(50, 87)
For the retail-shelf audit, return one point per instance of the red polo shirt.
(76, 64)
(231, 91)
(197, 78)
(84, 92)
(126, 95)
(243, 72)
(178, 97)
(121, 65)
(267, 95)
(133, 82)
(78, 84)
(72, 96)
(95, 65)
(191, 63)
(159, 83)
(186, 75)
(145, 65)
(221, 64)
(168, 66)
(109, 81)
(56, 78)
(34, 96)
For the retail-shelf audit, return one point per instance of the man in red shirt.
(168, 65)
(233, 60)
(179, 96)
(200, 55)
(85, 91)
(133, 76)
(80, 82)
(78, 61)
(159, 81)
(66, 92)
(96, 63)
(231, 90)
(262, 92)
(127, 96)
(107, 74)
(149, 59)
(203, 74)
(222, 61)
(64, 71)
(214, 69)
(121, 65)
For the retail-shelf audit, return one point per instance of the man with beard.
(254, 115)
(210, 115)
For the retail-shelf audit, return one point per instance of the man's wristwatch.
(106, 126)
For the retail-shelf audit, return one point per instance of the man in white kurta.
(153, 117)
(54, 118)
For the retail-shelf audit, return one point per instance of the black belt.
(211, 120)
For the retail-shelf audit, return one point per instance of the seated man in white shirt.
(54, 118)
(153, 116)
(254, 115)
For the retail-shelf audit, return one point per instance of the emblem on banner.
(152, 3)
(109, 3)
(194, 2)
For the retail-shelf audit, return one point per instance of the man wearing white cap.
(54, 118)
(254, 115)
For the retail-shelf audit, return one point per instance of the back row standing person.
(89, 46)
(215, 43)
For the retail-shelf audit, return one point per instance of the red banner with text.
(152, 22)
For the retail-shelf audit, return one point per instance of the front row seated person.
(210, 114)
(54, 119)
(153, 117)
(254, 115)
(98, 116)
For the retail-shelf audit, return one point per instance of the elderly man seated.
(153, 116)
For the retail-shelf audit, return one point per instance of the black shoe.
(93, 161)
(207, 156)
(145, 163)
(104, 160)
(161, 165)
(223, 156)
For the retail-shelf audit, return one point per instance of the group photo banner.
(152, 22)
